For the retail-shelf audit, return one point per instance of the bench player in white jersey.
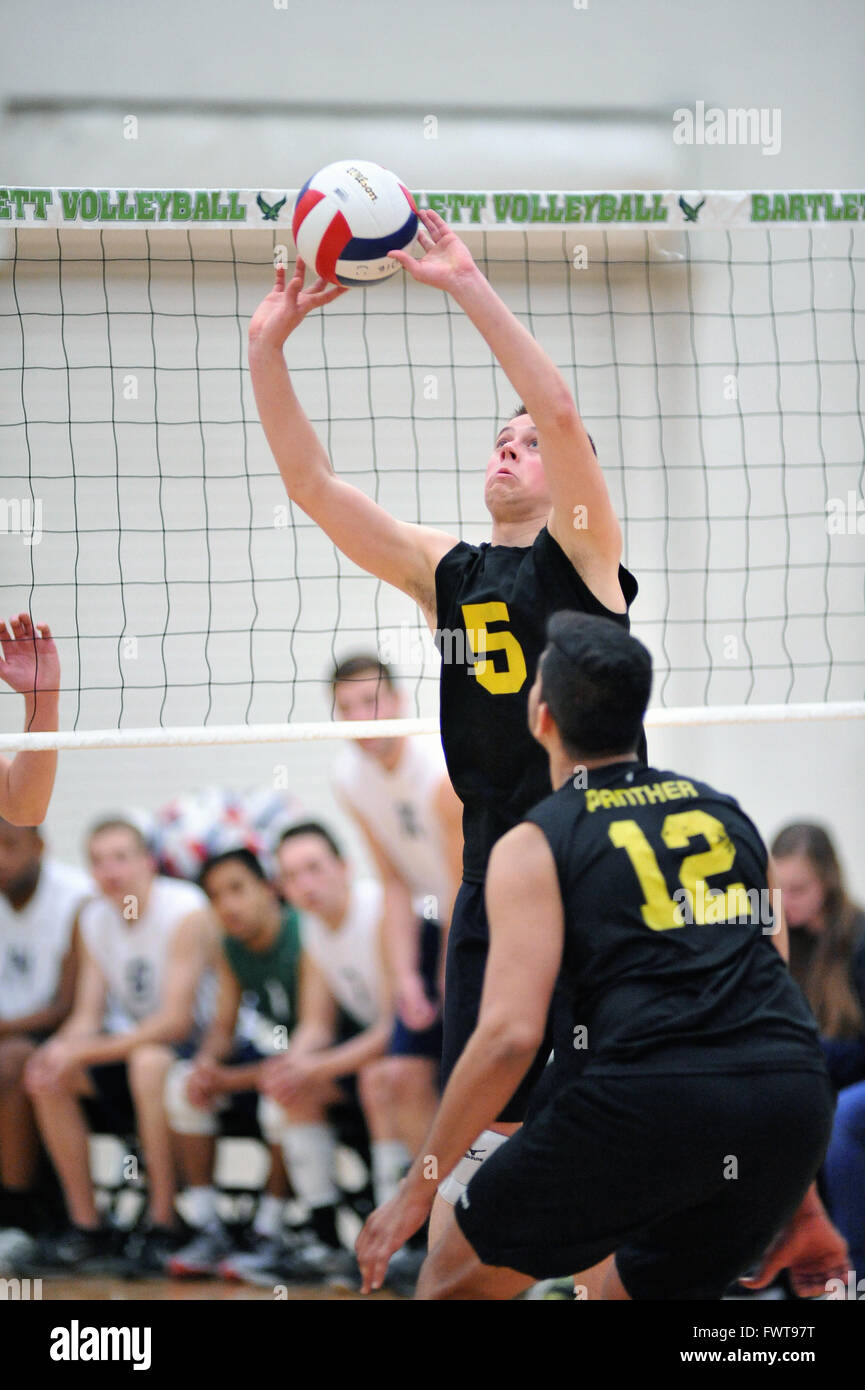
(39, 903)
(146, 943)
(398, 792)
(30, 665)
(342, 973)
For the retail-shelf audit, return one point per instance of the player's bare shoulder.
(430, 547)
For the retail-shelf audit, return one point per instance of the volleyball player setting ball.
(542, 475)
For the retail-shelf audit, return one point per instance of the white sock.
(268, 1218)
(390, 1159)
(309, 1152)
(200, 1203)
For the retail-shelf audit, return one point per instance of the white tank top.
(349, 955)
(399, 807)
(34, 941)
(132, 954)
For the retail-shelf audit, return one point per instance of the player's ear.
(545, 719)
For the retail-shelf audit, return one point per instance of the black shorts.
(687, 1178)
(468, 944)
(112, 1110)
(409, 1042)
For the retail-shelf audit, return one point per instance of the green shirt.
(269, 977)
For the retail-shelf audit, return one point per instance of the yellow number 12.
(660, 911)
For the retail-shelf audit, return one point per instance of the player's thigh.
(15, 1053)
(452, 1270)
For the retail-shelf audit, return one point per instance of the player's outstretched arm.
(30, 664)
(583, 520)
(399, 552)
(523, 964)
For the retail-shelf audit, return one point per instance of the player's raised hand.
(288, 304)
(446, 257)
(387, 1231)
(28, 656)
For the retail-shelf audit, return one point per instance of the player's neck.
(19, 895)
(133, 905)
(267, 931)
(564, 766)
(522, 532)
(336, 915)
(391, 756)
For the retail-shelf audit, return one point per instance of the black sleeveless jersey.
(668, 964)
(496, 599)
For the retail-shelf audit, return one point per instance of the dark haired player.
(257, 983)
(687, 1108)
(556, 544)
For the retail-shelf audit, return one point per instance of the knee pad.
(271, 1120)
(183, 1116)
(461, 1174)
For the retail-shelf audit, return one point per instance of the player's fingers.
(19, 626)
(407, 262)
(436, 223)
(331, 293)
(361, 1253)
(763, 1275)
(44, 631)
(378, 1269)
(812, 1283)
(279, 277)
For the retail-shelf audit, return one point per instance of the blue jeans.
(844, 1172)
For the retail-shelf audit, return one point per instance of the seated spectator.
(258, 968)
(827, 944)
(398, 792)
(146, 943)
(341, 968)
(40, 900)
(827, 959)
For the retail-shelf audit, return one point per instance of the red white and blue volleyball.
(346, 219)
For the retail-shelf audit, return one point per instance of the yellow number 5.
(476, 616)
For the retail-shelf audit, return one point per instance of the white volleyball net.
(717, 364)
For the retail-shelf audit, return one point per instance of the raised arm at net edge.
(401, 553)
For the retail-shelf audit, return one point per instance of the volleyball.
(346, 219)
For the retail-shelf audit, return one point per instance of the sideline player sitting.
(39, 903)
(341, 969)
(29, 663)
(398, 792)
(147, 941)
(555, 544)
(258, 968)
(687, 1108)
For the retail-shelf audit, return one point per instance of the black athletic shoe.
(315, 1262)
(148, 1251)
(79, 1251)
(200, 1257)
